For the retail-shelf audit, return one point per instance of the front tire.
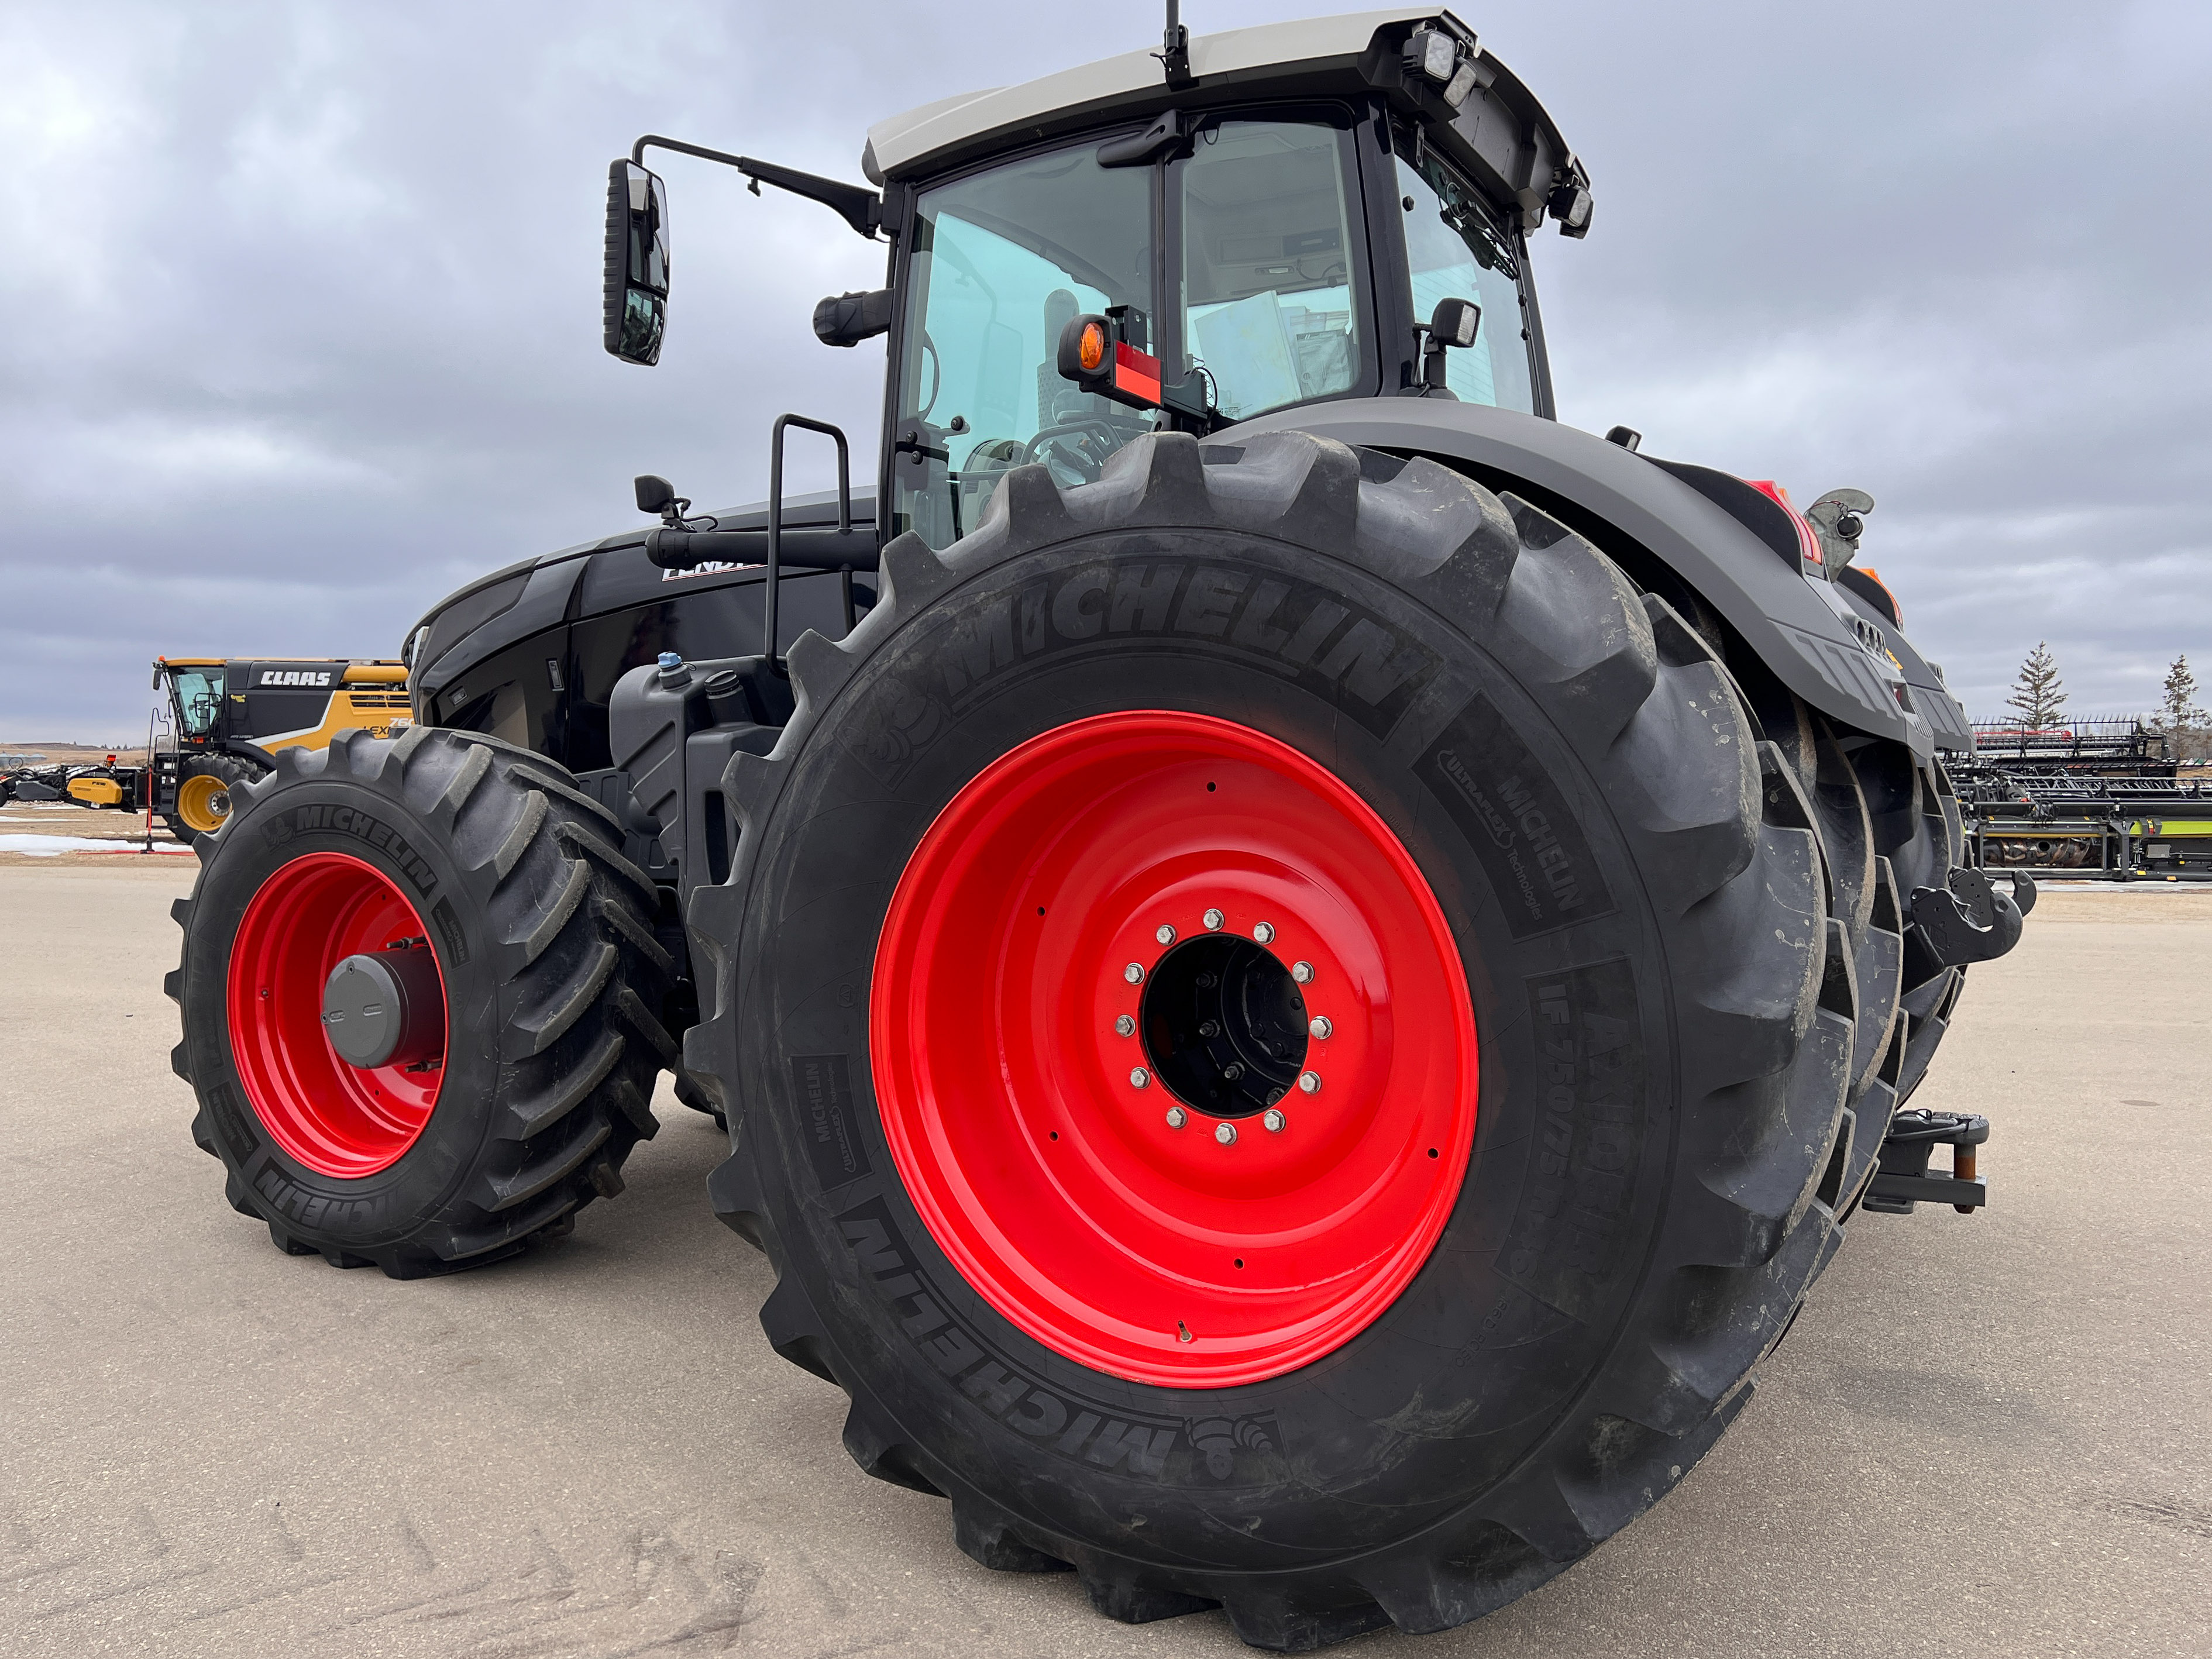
(1629, 888)
(530, 1077)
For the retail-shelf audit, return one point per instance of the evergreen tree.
(2178, 711)
(2038, 695)
(2185, 726)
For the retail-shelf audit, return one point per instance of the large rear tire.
(1509, 813)
(529, 1070)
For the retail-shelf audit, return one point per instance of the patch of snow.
(46, 846)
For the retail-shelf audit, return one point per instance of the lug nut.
(1139, 1077)
(1302, 972)
(1310, 1082)
(1264, 932)
(1231, 1072)
(1164, 933)
(1213, 918)
(1134, 973)
(1274, 1120)
(1225, 1134)
(1178, 1117)
(1208, 1028)
(1125, 1025)
(1318, 1025)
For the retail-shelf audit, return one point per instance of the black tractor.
(1303, 965)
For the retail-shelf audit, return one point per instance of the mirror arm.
(861, 209)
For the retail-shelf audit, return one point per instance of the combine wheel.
(416, 990)
(1327, 1101)
(204, 800)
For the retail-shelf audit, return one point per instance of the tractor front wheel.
(416, 989)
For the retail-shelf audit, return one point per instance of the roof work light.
(1440, 56)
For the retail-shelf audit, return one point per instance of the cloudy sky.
(302, 299)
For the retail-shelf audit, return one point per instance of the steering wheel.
(1063, 441)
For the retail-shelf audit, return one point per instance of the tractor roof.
(1501, 133)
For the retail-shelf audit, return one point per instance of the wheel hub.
(385, 1009)
(204, 802)
(1225, 1025)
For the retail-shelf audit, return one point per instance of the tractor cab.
(1238, 272)
(1234, 226)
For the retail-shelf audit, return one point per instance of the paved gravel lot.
(1985, 1435)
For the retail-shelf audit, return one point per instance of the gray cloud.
(304, 298)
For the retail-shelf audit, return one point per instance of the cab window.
(1457, 249)
(1269, 262)
(1002, 260)
(199, 699)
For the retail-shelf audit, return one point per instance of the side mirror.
(636, 293)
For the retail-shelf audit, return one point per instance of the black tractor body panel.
(531, 654)
(1808, 631)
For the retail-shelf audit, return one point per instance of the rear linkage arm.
(1969, 921)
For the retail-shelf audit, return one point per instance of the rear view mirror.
(637, 298)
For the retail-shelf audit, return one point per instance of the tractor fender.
(1801, 627)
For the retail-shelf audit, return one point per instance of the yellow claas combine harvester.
(229, 716)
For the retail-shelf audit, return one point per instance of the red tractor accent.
(1119, 1223)
(313, 912)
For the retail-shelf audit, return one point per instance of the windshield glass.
(1002, 260)
(1268, 304)
(1456, 250)
(200, 698)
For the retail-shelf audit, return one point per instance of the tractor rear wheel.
(1279, 1037)
(417, 991)
(204, 799)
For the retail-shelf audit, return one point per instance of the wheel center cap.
(385, 1009)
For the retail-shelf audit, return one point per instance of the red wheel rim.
(1054, 1182)
(312, 912)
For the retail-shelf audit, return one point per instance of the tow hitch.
(1902, 1177)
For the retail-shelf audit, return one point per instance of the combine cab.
(1303, 965)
